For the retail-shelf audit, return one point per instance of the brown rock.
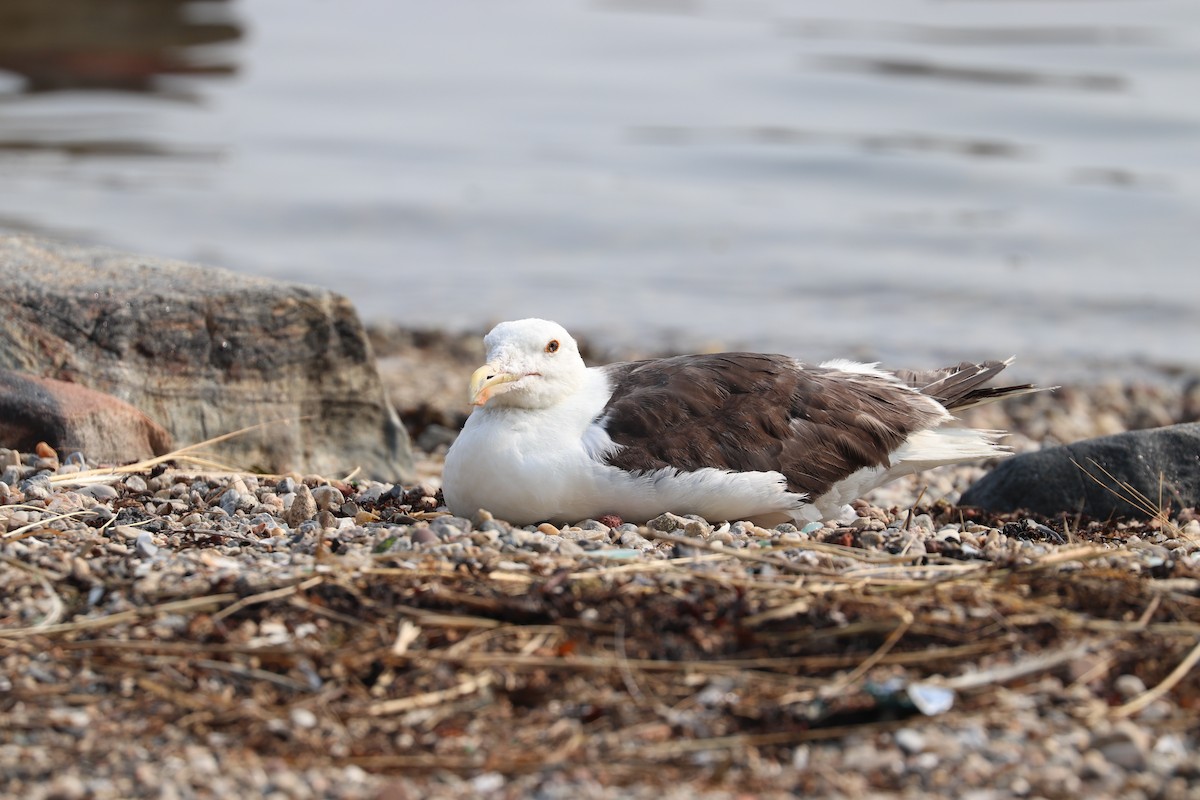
(44, 415)
(205, 352)
(302, 509)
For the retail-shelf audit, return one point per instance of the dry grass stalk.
(173, 607)
(1159, 512)
(429, 699)
(189, 454)
(1167, 684)
(266, 597)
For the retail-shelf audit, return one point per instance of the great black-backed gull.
(728, 436)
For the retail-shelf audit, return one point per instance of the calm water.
(912, 181)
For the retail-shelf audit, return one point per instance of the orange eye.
(552, 346)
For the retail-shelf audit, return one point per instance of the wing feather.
(751, 412)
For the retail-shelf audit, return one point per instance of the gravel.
(168, 633)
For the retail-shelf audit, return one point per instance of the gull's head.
(531, 363)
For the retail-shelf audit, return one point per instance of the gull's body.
(728, 436)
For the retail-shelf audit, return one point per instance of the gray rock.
(444, 529)
(1125, 745)
(68, 416)
(568, 548)
(145, 546)
(909, 740)
(668, 522)
(372, 493)
(36, 488)
(99, 491)
(327, 497)
(635, 539)
(229, 501)
(204, 352)
(435, 436)
(1047, 482)
(871, 539)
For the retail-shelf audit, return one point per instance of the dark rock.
(1156, 462)
(68, 416)
(205, 352)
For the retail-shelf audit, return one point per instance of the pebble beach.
(174, 629)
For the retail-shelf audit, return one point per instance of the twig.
(250, 672)
(1029, 666)
(266, 597)
(405, 636)
(173, 607)
(686, 746)
(631, 684)
(439, 619)
(906, 621)
(150, 463)
(1167, 684)
(908, 519)
(841, 684)
(429, 699)
(1132, 495)
(57, 607)
(741, 555)
(40, 525)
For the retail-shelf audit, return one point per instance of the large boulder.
(71, 417)
(1099, 477)
(204, 352)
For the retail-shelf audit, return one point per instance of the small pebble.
(99, 491)
(870, 539)
(302, 509)
(145, 545)
(909, 740)
(424, 536)
(666, 523)
(634, 540)
(229, 501)
(303, 718)
(327, 497)
(1126, 745)
(1129, 686)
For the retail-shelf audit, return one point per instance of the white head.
(531, 363)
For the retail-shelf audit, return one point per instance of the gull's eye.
(552, 346)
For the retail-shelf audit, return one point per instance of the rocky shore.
(167, 630)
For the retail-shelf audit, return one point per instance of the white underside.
(527, 466)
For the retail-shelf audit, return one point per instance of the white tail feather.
(933, 448)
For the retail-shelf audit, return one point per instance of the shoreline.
(328, 638)
(444, 360)
(389, 338)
